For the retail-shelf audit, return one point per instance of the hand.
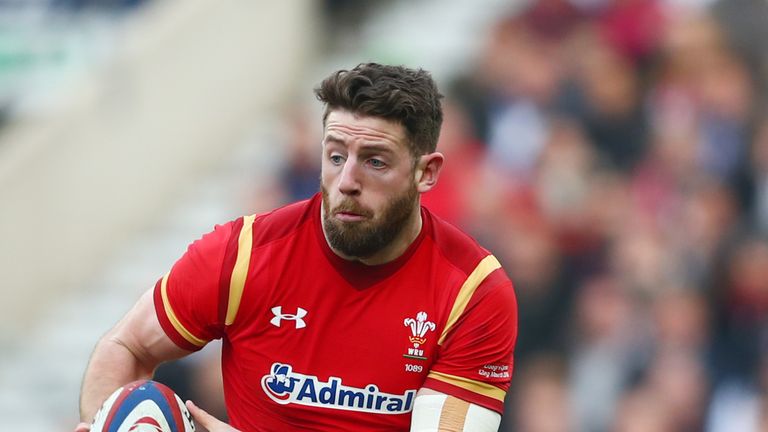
(83, 427)
(206, 420)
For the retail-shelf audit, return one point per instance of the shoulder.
(454, 245)
(483, 277)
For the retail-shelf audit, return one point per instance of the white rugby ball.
(143, 406)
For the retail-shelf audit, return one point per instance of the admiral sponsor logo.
(419, 328)
(285, 386)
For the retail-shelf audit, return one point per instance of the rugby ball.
(143, 406)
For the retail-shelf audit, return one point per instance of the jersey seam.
(254, 248)
(221, 325)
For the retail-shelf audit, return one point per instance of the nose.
(349, 183)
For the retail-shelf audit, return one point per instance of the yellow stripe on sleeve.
(240, 271)
(186, 334)
(483, 269)
(478, 387)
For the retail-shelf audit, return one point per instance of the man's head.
(405, 96)
(381, 125)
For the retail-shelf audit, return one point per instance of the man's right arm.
(131, 350)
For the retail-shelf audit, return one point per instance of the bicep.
(434, 411)
(140, 333)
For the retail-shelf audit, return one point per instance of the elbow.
(144, 363)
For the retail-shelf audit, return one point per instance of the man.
(354, 310)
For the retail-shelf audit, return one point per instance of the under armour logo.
(297, 317)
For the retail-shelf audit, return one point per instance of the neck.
(392, 251)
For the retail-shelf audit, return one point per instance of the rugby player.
(357, 309)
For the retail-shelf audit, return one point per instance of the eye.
(377, 163)
(336, 159)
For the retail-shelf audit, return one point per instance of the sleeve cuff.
(476, 392)
(170, 324)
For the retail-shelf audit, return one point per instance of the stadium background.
(612, 153)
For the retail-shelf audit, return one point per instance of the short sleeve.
(187, 298)
(476, 357)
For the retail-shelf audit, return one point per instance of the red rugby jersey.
(314, 342)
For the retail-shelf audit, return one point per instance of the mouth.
(346, 216)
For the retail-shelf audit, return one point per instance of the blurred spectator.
(300, 176)
(607, 100)
(742, 310)
(539, 402)
(640, 410)
(459, 178)
(744, 25)
(563, 185)
(676, 378)
(737, 408)
(759, 187)
(529, 250)
(524, 70)
(632, 27)
(602, 352)
(681, 321)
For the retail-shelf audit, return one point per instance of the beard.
(364, 238)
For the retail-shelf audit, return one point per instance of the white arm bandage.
(443, 413)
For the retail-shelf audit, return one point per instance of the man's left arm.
(466, 386)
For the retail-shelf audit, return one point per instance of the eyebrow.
(334, 139)
(364, 147)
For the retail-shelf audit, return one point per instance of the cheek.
(385, 193)
(327, 175)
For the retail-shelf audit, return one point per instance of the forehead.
(347, 127)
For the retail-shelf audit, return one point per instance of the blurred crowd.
(613, 154)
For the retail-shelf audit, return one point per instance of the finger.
(82, 427)
(203, 418)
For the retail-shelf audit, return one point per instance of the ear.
(428, 170)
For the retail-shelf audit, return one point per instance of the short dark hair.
(396, 93)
